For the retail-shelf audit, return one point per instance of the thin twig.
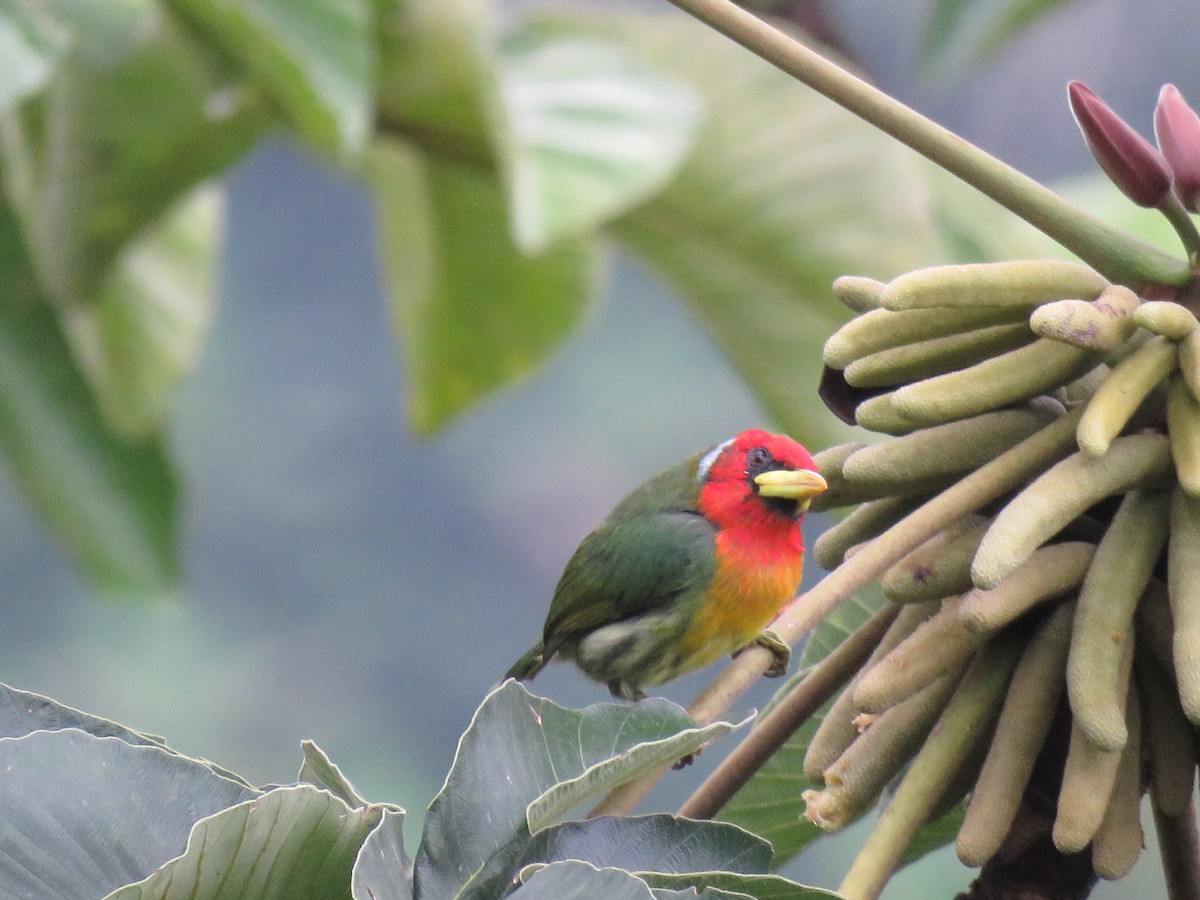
(1116, 254)
(777, 726)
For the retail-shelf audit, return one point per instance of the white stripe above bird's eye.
(707, 460)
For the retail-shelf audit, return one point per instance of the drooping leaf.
(84, 815)
(760, 887)
(313, 57)
(591, 132)
(439, 85)
(969, 32)
(23, 712)
(35, 34)
(522, 762)
(146, 327)
(112, 503)
(296, 841)
(474, 313)
(107, 150)
(383, 871)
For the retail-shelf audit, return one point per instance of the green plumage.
(644, 571)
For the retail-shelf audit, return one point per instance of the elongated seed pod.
(1060, 495)
(1088, 778)
(1015, 283)
(1189, 363)
(1170, 741)
(1000, 381)
(941, 645)
(1118, 842)
(932, 454)
(965, 722)
(829, 463)
(858, 293)
(1167, 318)
(1049, 572)
(1116, 580)
(1183, 588)
(1101, 324)
(1183, 424)
(1122, 393)
(856, 779)
(936, 356)
(1024, 722)
(938, 568)
(879, 414)
(838, 729)
(865, 522)
(882, 329)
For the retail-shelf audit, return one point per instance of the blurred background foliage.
(330, 327)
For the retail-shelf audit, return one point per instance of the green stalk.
(1115, 254)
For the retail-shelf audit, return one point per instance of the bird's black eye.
(758, 461)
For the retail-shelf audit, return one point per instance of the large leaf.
(313, 57)
(770, 803)
(759, 887)
(107, 150)
(968, 32)
(290, 842)
(591, 132)
(579, 881)
(523, 761)
(35, 34)
(474, 312)
(111, 502)
(84, 815)
(145, 329)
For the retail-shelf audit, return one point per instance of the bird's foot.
(623, 690)
(780, 651)
(684, 761)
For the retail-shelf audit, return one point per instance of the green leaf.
(146, 327)
(770, 803)
(289, 842)
(383, 870)
(84, 815)
(579, 881)
(23, 712)
(35, 35)
(320, 771)
(651, 843)
(760, 887)
(106, 151)
(523, 761)
(313, 57)
(438, 81)
(963, 33)
(591, 133)
(473, 312)
(112, 503)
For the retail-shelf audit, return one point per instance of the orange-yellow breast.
(751, 585)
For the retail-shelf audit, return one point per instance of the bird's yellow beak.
(800, 485)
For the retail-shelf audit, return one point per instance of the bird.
(690, 566)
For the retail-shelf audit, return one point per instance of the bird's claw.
(781, 653)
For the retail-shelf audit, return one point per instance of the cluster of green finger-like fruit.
(1083, 580)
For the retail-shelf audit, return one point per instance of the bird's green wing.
(628, 567)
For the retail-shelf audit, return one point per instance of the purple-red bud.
(1177, 128)
(1131, 161)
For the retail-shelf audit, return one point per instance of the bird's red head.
(758, 481)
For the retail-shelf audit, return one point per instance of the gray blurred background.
(350, 584)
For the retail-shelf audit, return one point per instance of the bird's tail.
(528, 665)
